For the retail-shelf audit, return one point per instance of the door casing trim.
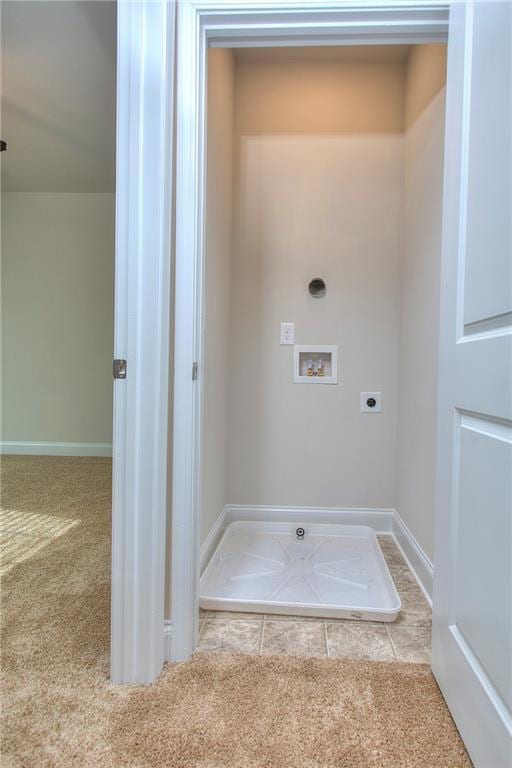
(230, 23)
(144, 154)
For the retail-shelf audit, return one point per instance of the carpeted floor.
(217, 711)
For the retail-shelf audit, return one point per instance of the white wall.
(58, 176)
(217, 281)
(57, 312)
(419, 291)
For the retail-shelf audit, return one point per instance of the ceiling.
(59, 96)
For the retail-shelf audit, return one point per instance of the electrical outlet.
(371, 402)
(287, 333)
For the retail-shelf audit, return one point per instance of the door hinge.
(119, 369)
(195, 368)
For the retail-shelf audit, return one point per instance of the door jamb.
(239, 23)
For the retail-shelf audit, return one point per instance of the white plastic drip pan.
(335, 571)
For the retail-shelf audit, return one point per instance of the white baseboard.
(213, 538)
(419, 563)
(168, 636)
(56, 449)
(381, 520)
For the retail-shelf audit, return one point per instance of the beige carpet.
(213, 712)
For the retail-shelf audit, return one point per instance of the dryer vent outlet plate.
(371, 402)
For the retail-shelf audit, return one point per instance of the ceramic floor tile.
(236, 636)
(416, 612)
(386, 542)
(246, 615)
(392, 555)
(284, 617)
(411, 643)
(295, 638)
(357, 622)
(403, 577)
(314, 619)
(359, 641)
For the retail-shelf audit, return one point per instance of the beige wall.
(322, 197)
(217, 281)
(333, 91)
(425, 76)
(419, 294)
(57, 313)
(315, 206)
(322, 168)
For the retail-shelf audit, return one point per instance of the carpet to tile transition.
(216, 711)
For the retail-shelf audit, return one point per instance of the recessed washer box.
(333, 571)
(315, 364)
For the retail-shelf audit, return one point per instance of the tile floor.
(406, 639)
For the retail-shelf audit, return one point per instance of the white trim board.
(168, 640)
(55, 449)
(144, 203)
(214, 536)
(378, 519)
(386, 521)
(417, 560)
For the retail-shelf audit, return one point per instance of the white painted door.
(471, 643)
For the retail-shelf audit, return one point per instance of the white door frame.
(145, 76)
(237, 23)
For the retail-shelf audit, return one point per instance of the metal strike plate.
(119, 369)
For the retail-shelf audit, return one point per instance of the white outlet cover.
(365, 397)
(287, 333)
